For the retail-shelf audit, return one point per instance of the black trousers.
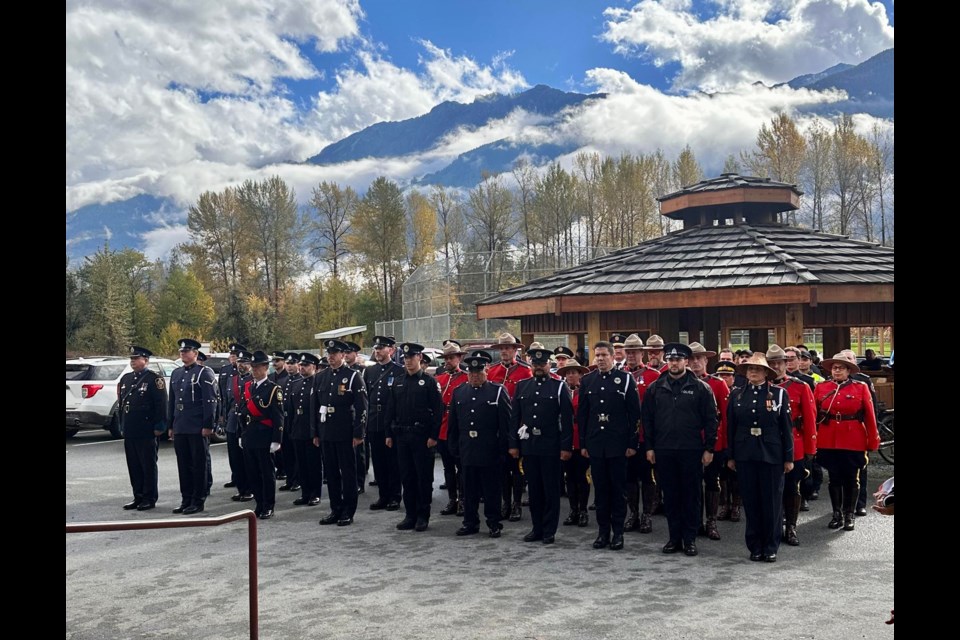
(142, 467)
(451, 469)
(238, 467)
(543, 482)
(192, 450)
(340, 465)
(610, 492)
(815, 480)
(761, 489)
(361, 453)
(481, 481)
(309, 468)
(679, 473)
(416, 473)
(792, 480)
(289, 459)
(386, 468)
(260, 471)
(578, 489)
(711, 472)
(512, 481)
(640, 470)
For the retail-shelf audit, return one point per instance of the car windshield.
(94, 372)
(77, 371)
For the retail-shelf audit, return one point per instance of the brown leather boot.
(723, 512)
(633, 502)
(735, 508)
(647, 492)
(712, 500)
(791, 508)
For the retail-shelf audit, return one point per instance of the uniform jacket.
(544, 407)
(287, 387)
(478, 425)
(261, 414)
(681, 416)
(809, 380)
(142, 403)
(760, 426)
(510, 375)
(575, 401)
(414, 406)
(298, 408)
(448, 384)
(224, 383)
(230, 405)
(845, 416)
(721, 393)
(278, 377)
(378, 379)
(340, 390)
(608, 413)
(644, 377)
(803, 412)
(192, 399)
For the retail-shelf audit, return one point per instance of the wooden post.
(859, 341)
(724, 337)
(593, 334)
(759, 341)
(573, 341)
(669, 321)
(793, 325)
(694, 324)
(711, 330)
(835, 340)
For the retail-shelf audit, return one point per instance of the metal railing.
(249, 516)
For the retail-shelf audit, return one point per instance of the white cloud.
(157, 243)
(749, 40)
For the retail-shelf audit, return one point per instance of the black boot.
(712, 499)
(791, 508)
(571, 519)
(836, 503)
(851, 491)
(647, 493)
(633, 502)
(723, 512)
(450, 509)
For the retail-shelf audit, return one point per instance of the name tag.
(473, 434)
(687, 391)
(755, 431)
(536, 431)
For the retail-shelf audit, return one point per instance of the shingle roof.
(729, 181)
(715, 258)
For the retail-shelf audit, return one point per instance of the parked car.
(92, 391)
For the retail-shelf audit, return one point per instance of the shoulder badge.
(161, 384)
(420, 382)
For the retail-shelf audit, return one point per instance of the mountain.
(809, 78)
(869, 86)
(496, 157)
(122, 224)
(391, 139)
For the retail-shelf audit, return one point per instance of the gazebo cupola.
(730, 199)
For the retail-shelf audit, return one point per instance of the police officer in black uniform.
(414, 413)
(261, 417)
(292, 367)
(477, 427)
(191, 410)
(143, 405)
(228, 373)
(338, 414)
(232, 400)
(608, 415)
(202, 360)
(378, 380)
(279, 375)
(309, 461)
(680, 431)
(363, 451)
(542, 430)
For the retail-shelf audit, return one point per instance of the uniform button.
(602, 428)
(473, 398)
(534, 417)
(601, 402)
(601, 388)
(753, 410)
(534, 404)
(471, 410)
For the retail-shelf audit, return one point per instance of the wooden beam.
(526, 339)
(724, 337)
(793, 325)
(593, 334)
(775, 195)
(516, 309)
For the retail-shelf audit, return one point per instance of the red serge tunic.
(509, 377)
(448, 383)
(803, 412)
(846, 417)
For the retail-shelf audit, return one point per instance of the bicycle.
(885, 427)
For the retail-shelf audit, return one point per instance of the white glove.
(274, 447)
(522, 432)
(240, 442)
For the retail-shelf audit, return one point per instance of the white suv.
(92, 391)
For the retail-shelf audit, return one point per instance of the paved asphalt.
(371, 581)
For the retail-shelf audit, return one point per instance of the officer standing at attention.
(479, 419)
(225, 379)
(232, 403)
(608, 416)
(379, 379)
(363, 454)
(308, 458)
(261, 416)
(338, 414)
(542, 430)
(414, 412)
(143, 405)
(451, 378)
(191, 410)
(289, 464)
(202, 361)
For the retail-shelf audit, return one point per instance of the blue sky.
(175, 98)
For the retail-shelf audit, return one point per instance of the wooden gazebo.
(732, 266)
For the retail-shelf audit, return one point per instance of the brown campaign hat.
(757, 360)
(654, 342)
(507, 340)
(826, 365)
(776, 353)
(571, 365)
(452, 348)
(633, 341)
(698, 349)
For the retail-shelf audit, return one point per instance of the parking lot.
(372, 581)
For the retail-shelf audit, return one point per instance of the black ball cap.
(477, 361)
(539, 356)
(139, 352)
(411, 348)
(336, 346)
(259, 357)
(188, 344)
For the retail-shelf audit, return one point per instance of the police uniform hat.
(336, 346)
(384, 341)
(698, 349)
(744, 352)
(827, 363)
(292, 357)
(244, 356)
(726, 366)
(308, 358)
(563, 351)
(655, 343)
(188, 344)
(235, 347)
(805, 355)
(539, 355)
(259, 357)
(324, 363)
(276, 355)
(633, 342)
(352, 346)
(426, 359)
(477, 360)
(201, 356)
(139, 352)
(676, 350)
(452, 348)
(617, 339)
(411, 348)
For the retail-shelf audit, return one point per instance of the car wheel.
(217, 437)
(115, 429)
(72, 432)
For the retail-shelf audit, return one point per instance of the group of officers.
(660, 432)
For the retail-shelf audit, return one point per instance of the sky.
(175, 98)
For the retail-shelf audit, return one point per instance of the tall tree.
(881, 154)
(846, 164)
(526, 177)
(270, 208)
(779, 153)
(216, 225)
(490, 215)
(423, 230)
(686, 169)
(817, 173)
(107, 328)
(184, 301)
(450, 225)
(333, 207)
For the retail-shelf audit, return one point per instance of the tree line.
(261, 269)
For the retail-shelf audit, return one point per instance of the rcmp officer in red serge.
(338, 415)
(142, 403)
(477, 434)
(608, 416)
(261, 420)
(679, 418)
(542, 430)
(451, 378)
(575, 469)
(508, 372)
(640, 479)
(309, 462)
(191, 411)
(712, 472)
(414, 413)
(760, 439)
(379, 379)
(286, 454)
